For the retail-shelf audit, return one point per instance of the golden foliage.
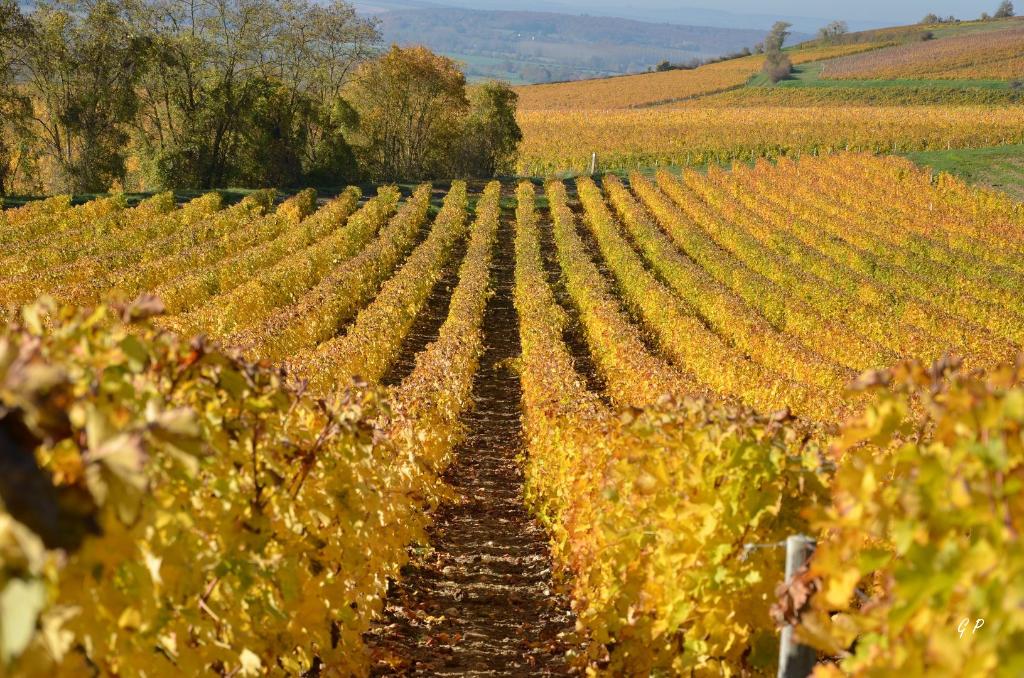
(438, 391)
(563, 140)
(653, 89)
(633, 375)
(249, 528)
(316, 313)
(370, 344)
(922, 537)
(650, 509)
(208, 519)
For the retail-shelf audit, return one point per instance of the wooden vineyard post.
(795, 660)
(593, 163)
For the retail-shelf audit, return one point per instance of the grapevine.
(321, 311)
(371, 343)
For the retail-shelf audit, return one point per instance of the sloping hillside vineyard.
(913, 89)
(973, 56)
(636, 91)
(682, 349)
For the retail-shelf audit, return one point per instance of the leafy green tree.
(199, 91)
(410, 104)
(1005, 10)
(291, 139)
(207, 93)
(322, 47)
(777, 65)
(329, 158)
(234, 77)
(777, 37)
(492, 134)
(80, 64)
(14, 106)
(414, 118)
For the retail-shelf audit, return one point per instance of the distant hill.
(966, 62)
(532, 47)
(657, 11)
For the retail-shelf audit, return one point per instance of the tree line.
(211, 93)
(1003, 11)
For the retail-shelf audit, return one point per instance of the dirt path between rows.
(427, 326)
(480, 600)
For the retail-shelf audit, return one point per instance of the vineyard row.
(275, 505)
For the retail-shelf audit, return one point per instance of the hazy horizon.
(748, 13)
(881, 11)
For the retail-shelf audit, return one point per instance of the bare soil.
(480, 600)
